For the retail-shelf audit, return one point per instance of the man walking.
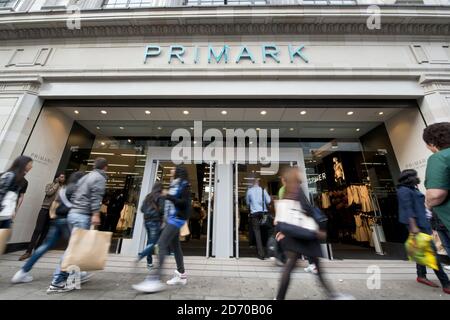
(437, 178)
(43, 220)
(257, 200)
(85, 211)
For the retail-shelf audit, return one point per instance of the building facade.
(349, 82)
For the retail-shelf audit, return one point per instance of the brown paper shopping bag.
(5, 234)
(87, 250)
(184, 231)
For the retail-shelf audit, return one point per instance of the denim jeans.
(444, 235)
(5, 224)
(153, 231)
(58, 228)
(74, 220)
(170, 239)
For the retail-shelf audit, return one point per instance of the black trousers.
(290, 266)
(40, 230)
(440, 273)
(256, 226)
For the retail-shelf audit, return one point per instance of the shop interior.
(350, 164)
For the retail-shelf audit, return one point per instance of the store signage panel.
(223, 54)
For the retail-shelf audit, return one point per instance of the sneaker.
(59, 288)
(342, 296)
(21, 277)
(311, 268)
(149, 286)
(279, 263)
(427, 282)
(447, 268)
(149, 266)
(85, 277)
(179, 278)
(25, 256)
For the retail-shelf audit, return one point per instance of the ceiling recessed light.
(129, 140)
(147, 112)
(102, 143)
(185, 112)
(192, 128)
(121, 128)
(251, 142)
(224, 112)
(257, 129)
(358, 129)
(103, 112)
(159, 128)
(264, 112)
(195, 142)
(76, 112)
(303, 112)
(381, 113)
(98, 128)
(331, 129)
(291, 129)
(350, 113)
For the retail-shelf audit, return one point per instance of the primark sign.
(226, 53)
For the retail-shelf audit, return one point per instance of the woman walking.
(11, 183)
(177, 209)
(297, 241)
(58, 228)
(412, 213)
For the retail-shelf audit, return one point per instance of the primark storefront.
(344, 102)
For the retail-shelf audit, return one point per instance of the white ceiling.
(316, 123)
(233, 114)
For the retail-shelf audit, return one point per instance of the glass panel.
(199, 177)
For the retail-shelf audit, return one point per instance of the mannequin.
(339, 176)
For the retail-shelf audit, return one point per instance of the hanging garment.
(126, 217)
(361, 233)
(326, 203)
(355, 194)
(349, 196)
(366, 201)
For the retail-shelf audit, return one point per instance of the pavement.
(225, 279)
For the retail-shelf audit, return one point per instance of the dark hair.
(75, 177)
(100, 163)
(181, 173)
(408, 178)
(18, 167)
(152, 198)
(59, 174)
(437, 134)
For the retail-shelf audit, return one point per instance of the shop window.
(8, 4)
(118, 4)
(126, 164)
(56, 4)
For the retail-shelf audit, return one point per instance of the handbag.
(438, 243)
(290, 212)
(87, 250)
(5, 234)
(266, 219)
(184, 231)
(419, 249)
(52, 210)
(8, 206)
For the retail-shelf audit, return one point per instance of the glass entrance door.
(201, 179)
(244, 174)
